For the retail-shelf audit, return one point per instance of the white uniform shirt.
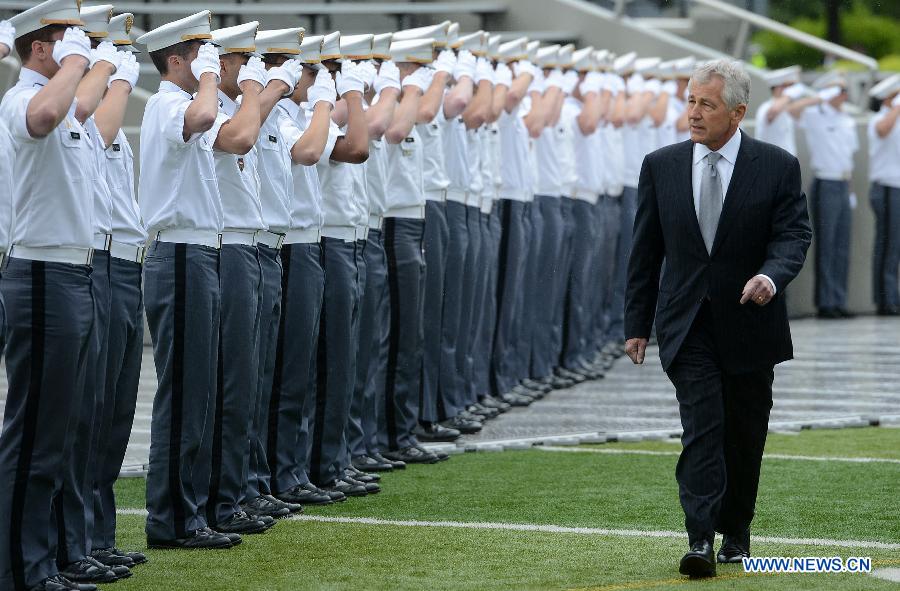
(680, 108)
(274, 168)
(884, 152)
(238, 179)
(488, 189)
(53, 203)
(832, 141)
(456, 157)
(306, 196)
(633, 145)
(118, 169)
(406, 196)
(495, 158)
(779, 132)
(614, 151)
(7, 146)
(568, 128)
(549, 171)
(339, 204)
(667, 133)
(377, 177)
(359, 187)
(177, 189)
(432, 135)
(589, 165)
(473, 153)
(99, 187)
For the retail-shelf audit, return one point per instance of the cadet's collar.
(227, 105)
(167, 86)
(30, 77)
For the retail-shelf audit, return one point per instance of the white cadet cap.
(684, 68)
(493, 47)
(415, 51)
(190, 28)
(452, 34)
(602, 58)
(624, 63)
(531, 49)
(120, 32)
(236, 39)
(438, 32)
(96, 20)
(783, 76)
(381, 46)
(548, 57)
(331, 46)
(473, 42)
(51, 12)
(514, 50)
(886, 88)
(311, 49)
(565, 55)
(835, 78)
(583, 59)
(645, 65)
(664, 70)
(358, 47)
(280, 41)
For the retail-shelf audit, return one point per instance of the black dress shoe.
(435, 432)
(412, 455)
(61, 583)
(370, 464)
(699, 562)
(558, 383)
(371, 487)
(480, 411)
(347, 488)
(263, 507)
(397, 464)
(363, 477)
(491, 402)
(201, 538)
(235, 539)
(109, 558)
(242, 524)
(535, 385)
(291, 507)
(734, 548)
(516, 400)
(889, 311)
(463, 425)
(441, 456)
(121, 572)
(136, 557)
(568, 374)
(829, 314)
(88, 571)
(305, 494)
(845, 313)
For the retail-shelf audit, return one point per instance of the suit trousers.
(437, 377)
(491, 232)
(512, 258)
(403, 240)
(832, 218)
(123, 374)
(609, 213)
(259, 478)
(547, 276)
(563, 281)
(451, 381)
(335, 367)
(725, 419)
(362, 429)
(302, 289)
(50, 320)
(627, 212)
(471, 308)
(886, 256)
(182, 299)
(73, 505)
(531, 305)
(580, 293)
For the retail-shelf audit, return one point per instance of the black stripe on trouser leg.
(23, 467)
(817, 219)
(881, 291)
(180, 313)
(278, 374)
(216, 470)
(390, 411)
(503, 253)
(315, 460)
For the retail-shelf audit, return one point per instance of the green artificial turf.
(797, 499)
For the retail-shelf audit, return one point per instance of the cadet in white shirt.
(776, 117)
(182, 210)
(46, 288)
(884, 173)
(832, 141)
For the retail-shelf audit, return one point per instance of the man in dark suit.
(727, 215)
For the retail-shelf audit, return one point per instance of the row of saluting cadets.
(345, 246)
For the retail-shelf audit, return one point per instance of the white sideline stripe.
(647, 452)
(559, 529)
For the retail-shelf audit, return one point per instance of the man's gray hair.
(736, 78)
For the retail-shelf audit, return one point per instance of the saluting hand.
(636, 348)
(758, 290)
(7, 38)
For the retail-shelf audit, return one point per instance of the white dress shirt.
(274, 164)
(432, 135)
(516, 172)
(884, 153)
(725, 169)
(456, 159)
(7, 146)
(406, 196)
(306, 196)
(832, 141)
(779, 131)
(118, 167)
(99, 187)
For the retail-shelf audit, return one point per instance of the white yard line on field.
(647, 452)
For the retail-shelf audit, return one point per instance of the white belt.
(362, 232)
(126, 252)
(245, 238)
(375, 222)
(473, 199)
(53, 254)
(211, 239)
(585, 195)
(269, 239)
(487, 204)
(102, 241)
(457, 196)
(305, 236)
(435, 195)
(345, 233)
(414, 212)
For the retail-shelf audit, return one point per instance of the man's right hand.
(73, 43)
(636, 349)
(206, 62)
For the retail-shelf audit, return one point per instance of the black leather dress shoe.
(89, 571)
(242, 524)
(489, 401)
(535, 385)
(734, 548)
(61, 583)
(109, 558)
(135, 557)
(699, 562)
(559, 383)
(521, 390)
(291, 507)
(347, 488)
(569, 375)
(463, 425)
(371, 487)
(370, 464)
(198, 539)
(357, 474)
(516, 400)
(305, 494)
(397, 464)
(412, 455)
(235, 539)
(121, 572)
(480, 411)
(829, 313)
(846, 313)
(263, 507)
(441, 456)
(435, 432)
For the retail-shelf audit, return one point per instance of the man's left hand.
(758, 290)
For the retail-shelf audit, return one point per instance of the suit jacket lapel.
(685, 187)
(741, 182)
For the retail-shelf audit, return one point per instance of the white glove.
(503, 75)
(129, 71)
(74, 42)
(106, 52)
(635, 84)
(7, 35)
(421, 79)
(523, 67)
(367, 72)
(556, 79)
(538, 83)
(388, 77)
(670, 87)
(616, 83)
(826, 94)
(465, 65)
(593, 82)
(446, 62)
(289, 72)
(323, 89)
(796, 91)
(483, 71)
(207, 61)
(570, 81)
(896, 102)
(349, 79)
(253, 71)
(653, 86)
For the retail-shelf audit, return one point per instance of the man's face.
(712, 122)
(231, 67)
(838, 101)
(43, 52)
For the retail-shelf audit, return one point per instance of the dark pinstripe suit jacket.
(764, 228)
